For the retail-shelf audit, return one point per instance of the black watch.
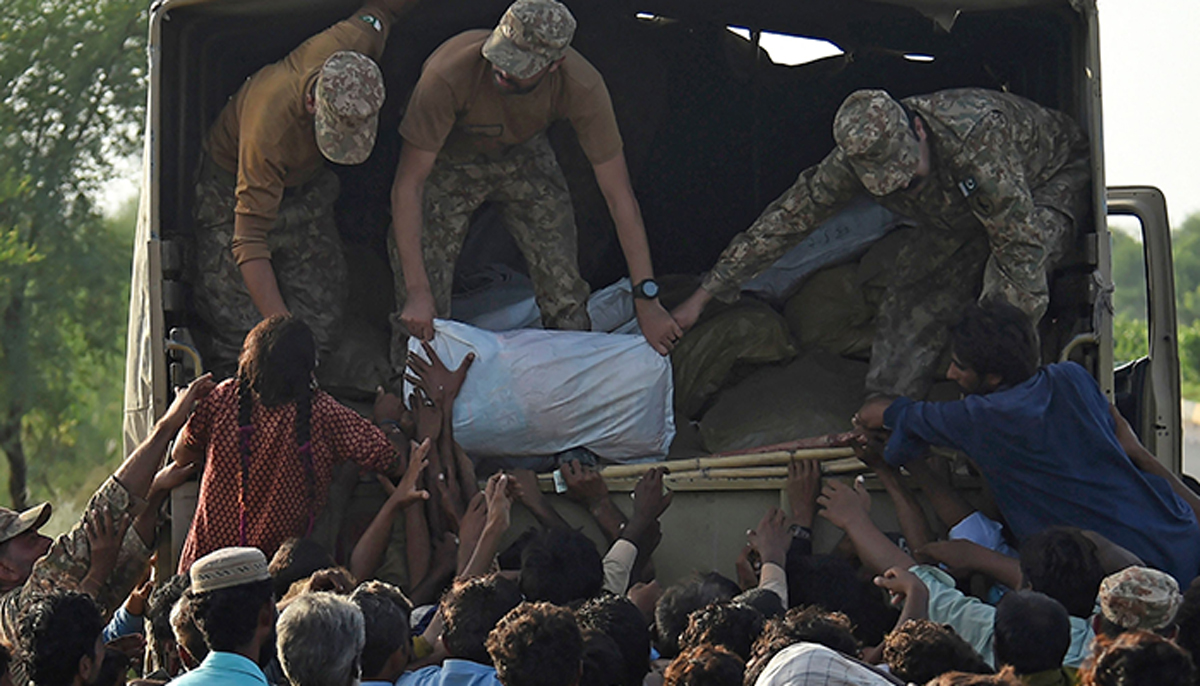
(647, 289)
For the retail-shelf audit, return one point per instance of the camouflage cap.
(228, 567)
(530, 36)
(349, 94)
(872, 129)
(1140, 598)
(13, 523)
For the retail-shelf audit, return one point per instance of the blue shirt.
(123, 624)
(453, 672)
(223, 669)
(1049, 451)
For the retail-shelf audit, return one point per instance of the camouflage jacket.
(995, 156)
(67, 562)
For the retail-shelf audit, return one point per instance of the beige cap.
(228, 567)
(873, 131)
(348, 96)
(530, 36)
(13, 523)
(1140, 598)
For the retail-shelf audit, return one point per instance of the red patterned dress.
(278, 479)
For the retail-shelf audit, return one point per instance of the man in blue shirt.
(470, 610)
(1053, 450)
(233, 605)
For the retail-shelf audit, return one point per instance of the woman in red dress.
(269, 440)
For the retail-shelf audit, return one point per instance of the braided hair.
(276, 368)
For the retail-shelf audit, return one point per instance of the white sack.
(532, 392)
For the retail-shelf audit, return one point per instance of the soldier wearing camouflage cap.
(264, 202)
(475, 131)
(998, 186)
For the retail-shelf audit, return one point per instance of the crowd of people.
(1078, 565)
(1070, 599)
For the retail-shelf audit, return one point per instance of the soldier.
(266, 242)
(475, 130)
(97, 556)
(998, 185)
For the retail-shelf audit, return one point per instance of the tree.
(73, 96)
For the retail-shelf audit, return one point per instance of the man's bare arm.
(658, 326)
(259, 276)
(408, 193)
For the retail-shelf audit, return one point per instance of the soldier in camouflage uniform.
(31, 564)
(998, 185)
(266, 242)
(474, 131)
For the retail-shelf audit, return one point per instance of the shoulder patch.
(373, 21)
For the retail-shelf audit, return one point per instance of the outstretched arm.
(368, 552)
(1144, 460)
(658, 327)
(849, 508)
(408, 197)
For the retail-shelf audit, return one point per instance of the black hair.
(833, 583)
(471, 610)
(1188, 620)
(768, 603)
(295, 559)
(560, 565)
(996, 338)
(113, 669)
(159, 604)
(386, 612)
(1032, 632)
(621, 621)
(705, 665)
(727, 624)
(275, 368)
(537, 644)
(801, 624)
(228, 617)
(57, 630)
(1064, 564)
(1137, 658)
(922, 650)
(600, 653)
(681, 600)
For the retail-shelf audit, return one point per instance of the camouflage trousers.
(306, 255)
(937, 274)
(530, 188)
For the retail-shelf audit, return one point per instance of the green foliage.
(72, 74)
(1131, 338)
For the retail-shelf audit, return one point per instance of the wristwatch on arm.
(646, 289)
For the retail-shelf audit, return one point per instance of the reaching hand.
(470, 527)
(427, 414)
(870, 415)
(771, 537)
(687, 313)
(104, 537)
(900, 583)
(406, 492)
(172, 476)
(659, 328)
(803, 487)
(958, 554)
(437, 380)
(844, 505)
(499, 501)
(747, 576)
(649, 498)
(584, 483)
(388, 406)
(331, 580)
(185, 400)
(418, 313)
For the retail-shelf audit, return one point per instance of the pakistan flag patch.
(373, 21)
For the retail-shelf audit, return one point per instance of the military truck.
(714, 129)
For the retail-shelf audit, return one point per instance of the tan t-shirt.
(457, 109)
(265, 133)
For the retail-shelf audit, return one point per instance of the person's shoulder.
(579, 72)
(456, 54)
(419, 677)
